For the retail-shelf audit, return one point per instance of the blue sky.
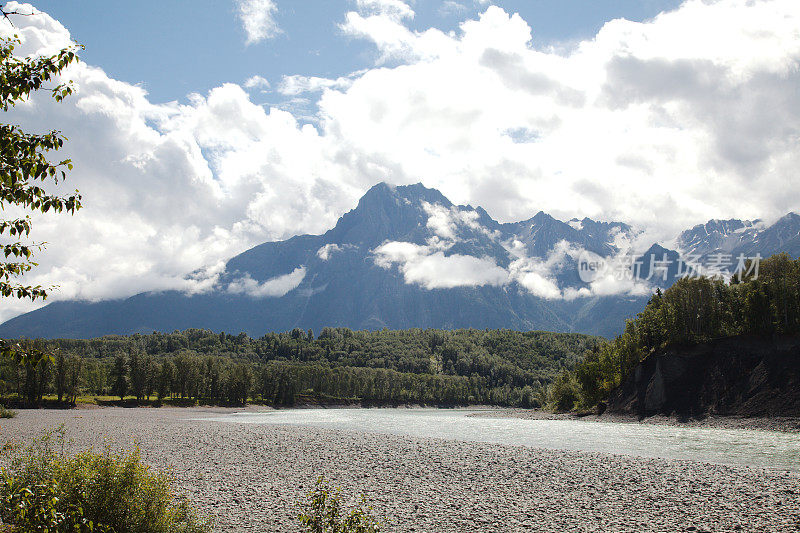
(175, 47)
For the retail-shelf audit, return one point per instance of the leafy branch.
(24, 164)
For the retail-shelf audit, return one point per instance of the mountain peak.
(657, 249)
(386, 212)
(541, 216)
(789, 218)
(415, 193)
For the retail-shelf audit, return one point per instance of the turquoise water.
(773, 450)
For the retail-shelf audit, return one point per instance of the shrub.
(323, 513)
(6, 413)
(48, 490)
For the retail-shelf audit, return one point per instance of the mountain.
(742, 237)
(718, 236)
(407, 257)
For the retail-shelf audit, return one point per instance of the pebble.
(248, 476)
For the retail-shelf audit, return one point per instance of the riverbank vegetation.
(499, 367)
(763, 302)
(46, 489)
(323, 512)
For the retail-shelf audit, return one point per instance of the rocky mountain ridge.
(406, 257)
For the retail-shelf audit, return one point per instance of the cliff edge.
(736, 376)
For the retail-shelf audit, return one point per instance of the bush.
(6, 413)
(323, 513)
(48, 490)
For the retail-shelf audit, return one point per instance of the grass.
(50, 401)
(6, 413)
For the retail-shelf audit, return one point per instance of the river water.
(773, 450)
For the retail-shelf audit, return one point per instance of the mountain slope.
(404, 257)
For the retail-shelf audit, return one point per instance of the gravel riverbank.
(248, 475)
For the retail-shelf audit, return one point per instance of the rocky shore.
(247, 476)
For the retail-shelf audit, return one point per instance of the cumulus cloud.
(272, 288)
(663, 124)
(429, 267)
(257, 18)
(168, 189)
(383, 22)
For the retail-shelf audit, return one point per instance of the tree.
(151, 371)
(165, 378)
(61, 375)
(75, 366)
(119, 373)
(24, 168)
(240, 380)
(138, 372)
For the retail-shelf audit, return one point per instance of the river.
(755, 448)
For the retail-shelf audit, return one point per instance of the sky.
(179, 47)
(201, 129)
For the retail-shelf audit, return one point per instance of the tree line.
(763, 299)
(500, 367)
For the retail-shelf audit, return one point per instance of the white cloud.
(446, 223)
(432, 269)
(272, 288)
(257, 18)
(296, 84)
(383, 22)
(169, 189)
(256, 82)
(325, 252)
(538, 276)
(440, 220)
(663, 124)
(540, 285)
(451, 7)
(394, 9)
(429, 266)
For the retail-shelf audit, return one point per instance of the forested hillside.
(500, 367)
(762, 302)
